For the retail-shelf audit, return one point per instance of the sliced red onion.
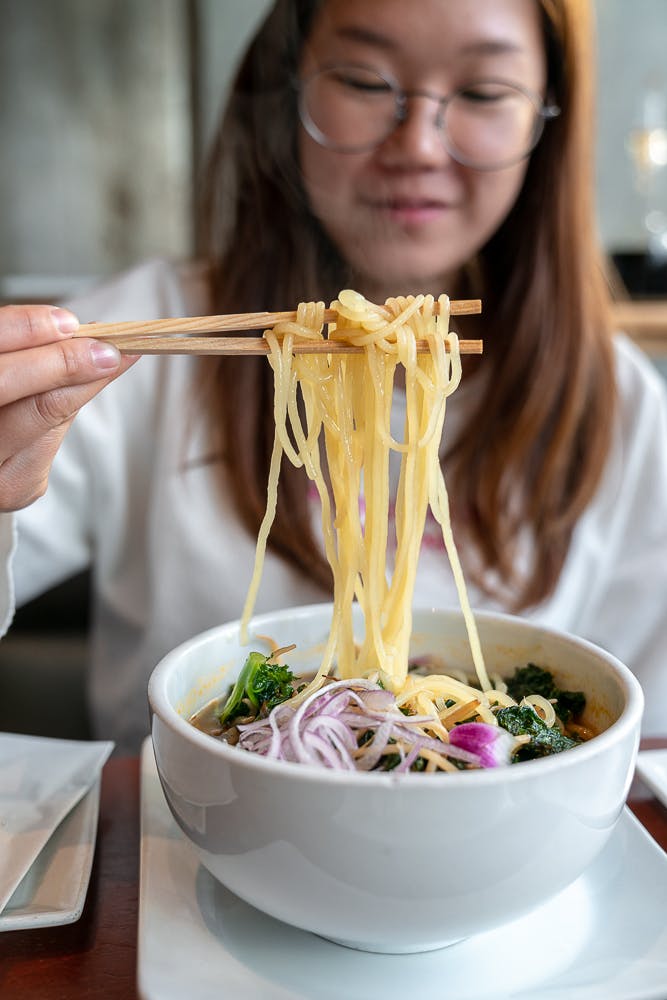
(325, 751)
(373, 750)
(325, 729)
(492, 744)
(377, 700)
(408, 759)
(438, 746)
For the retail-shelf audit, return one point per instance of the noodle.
(333, 418)
(348, 400)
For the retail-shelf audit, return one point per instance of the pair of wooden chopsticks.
(197, 334)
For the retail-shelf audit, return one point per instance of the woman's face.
(406, 215)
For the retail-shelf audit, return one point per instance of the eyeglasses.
(488, 124)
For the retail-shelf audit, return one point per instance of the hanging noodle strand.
(347, 399)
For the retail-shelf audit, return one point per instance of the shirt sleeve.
(7, 546)
(54, 533)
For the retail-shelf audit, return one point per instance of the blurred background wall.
(106, 109)
(632, 124)
(96, 160)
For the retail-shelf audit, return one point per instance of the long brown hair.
(533, 449)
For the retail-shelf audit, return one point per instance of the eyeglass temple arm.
(550, 111)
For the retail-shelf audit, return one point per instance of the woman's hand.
(46, 375)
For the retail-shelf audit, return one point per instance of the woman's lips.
(412, 211)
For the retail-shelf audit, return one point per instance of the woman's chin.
(390, 278)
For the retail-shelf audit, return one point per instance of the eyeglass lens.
(352, 108)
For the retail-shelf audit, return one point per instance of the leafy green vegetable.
(523, 720)
(260, 686)
(391, 760)
(532, 679)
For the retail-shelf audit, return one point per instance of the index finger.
(31, 326)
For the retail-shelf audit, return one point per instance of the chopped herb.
(259, 688)
(388, 762)
(523, 720)
(535, 680)
(391, 760)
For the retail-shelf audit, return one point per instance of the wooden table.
(96, 957)
(645, 321)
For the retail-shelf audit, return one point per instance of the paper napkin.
(41, 780)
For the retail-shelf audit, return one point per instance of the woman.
(393, 148)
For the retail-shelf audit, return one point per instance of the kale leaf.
(535, 680)
(260, 687)
(523, 720)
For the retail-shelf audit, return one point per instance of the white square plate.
(652, 769)
(603, 938)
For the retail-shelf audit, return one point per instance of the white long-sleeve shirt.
(132, 492)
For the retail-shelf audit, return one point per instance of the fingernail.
(65, 321)
(105, 356)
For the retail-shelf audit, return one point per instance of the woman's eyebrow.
(357, 33)
(482, 46)
(490, 47)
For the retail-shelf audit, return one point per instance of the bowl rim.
(160, 706)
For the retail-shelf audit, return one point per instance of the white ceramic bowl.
(395, 863)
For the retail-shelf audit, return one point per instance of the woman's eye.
(363, 84)
(481, 96)
(365, 87)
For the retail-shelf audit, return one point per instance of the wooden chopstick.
(255, 345)
(194, 334)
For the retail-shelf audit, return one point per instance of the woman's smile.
(411, 211)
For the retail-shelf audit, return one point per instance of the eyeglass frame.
(544, 112)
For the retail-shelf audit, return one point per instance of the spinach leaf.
(532, 679)
(522, 720)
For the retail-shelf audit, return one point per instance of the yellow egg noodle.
(348, 398)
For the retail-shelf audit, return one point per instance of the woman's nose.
(417, 140)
